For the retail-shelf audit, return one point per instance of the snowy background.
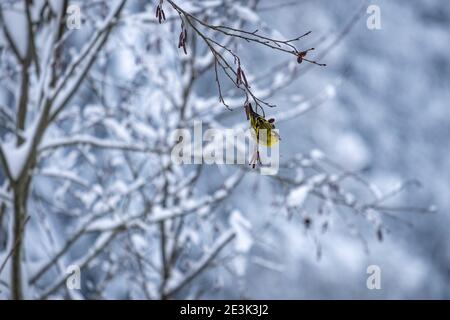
(385, 116)
(390, 116)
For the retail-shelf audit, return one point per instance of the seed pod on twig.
(160, 13)
(302, 54)
(182, 39)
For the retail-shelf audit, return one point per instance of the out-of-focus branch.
(96, 143)
(15, 245)
(203, 263)
(98, 248)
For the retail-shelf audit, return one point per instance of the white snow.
(317, 154)
(268, 264)
(139, 242)
(297, 196)
(350, 148)
(242, 227)
(246, 13)
(16, 157)
(119, 129)
(318, 179)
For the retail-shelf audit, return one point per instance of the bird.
(268, 138)
(263, 132)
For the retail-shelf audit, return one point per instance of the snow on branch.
(87, 140)
(208, 256)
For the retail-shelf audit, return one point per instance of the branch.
(16, 243)
(97, 143)
(221, 61)
(87, 56)
(101, 243)
(65, 175)
(4, 163)
(202, 264)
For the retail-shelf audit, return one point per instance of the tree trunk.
(20, 205)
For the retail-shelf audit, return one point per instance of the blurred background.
(390, 118)
(386, 116)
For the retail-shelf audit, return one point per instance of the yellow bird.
(267, 138)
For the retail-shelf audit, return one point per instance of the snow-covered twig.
(86, 140)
